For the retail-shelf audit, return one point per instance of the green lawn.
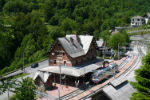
(19, 75)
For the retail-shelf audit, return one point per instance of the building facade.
(72, 59)
(137, 21)
(70, 51)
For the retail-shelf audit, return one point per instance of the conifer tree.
(142, 84)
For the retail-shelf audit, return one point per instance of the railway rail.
(129, 70)
(71, 95)
(124, 63)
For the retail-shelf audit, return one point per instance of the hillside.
(29, 27)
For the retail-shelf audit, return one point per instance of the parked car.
(34, 65)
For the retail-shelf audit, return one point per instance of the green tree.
(7, 47)
(2, 2)
(49, 9)
(15, 6)
(68, 25)
(115, 40)
(142, 84)
(118, 39)
(7, 84)
(25, 90)
(105, 35)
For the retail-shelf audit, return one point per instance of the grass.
(19, 75)
(139, 33)
(138, 28)
(50, 27)
(27, 65)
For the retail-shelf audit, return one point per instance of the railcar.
(104, 73)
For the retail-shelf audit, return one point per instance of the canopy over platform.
(75, 71)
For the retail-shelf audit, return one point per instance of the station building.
(72, 60)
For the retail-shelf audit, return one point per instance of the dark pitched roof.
(73, 47)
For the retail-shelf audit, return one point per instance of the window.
(64, 63)
(56, 53)
(77, 62)
(132, 19)
(59, 45)
(63, 53)
(54, 61)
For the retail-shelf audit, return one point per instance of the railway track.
(123, 63)
(128, 71)
(71, 95)
(136, 62)
(78, 91)
(140, 51)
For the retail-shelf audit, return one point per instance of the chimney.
(79, 40)
(84, 32)
(65, 35)
(71, 39)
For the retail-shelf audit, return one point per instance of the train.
(101, 74)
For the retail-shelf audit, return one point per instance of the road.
(29, 70)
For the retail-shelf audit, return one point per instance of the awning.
(43, 75)
(75, 71)
(46, 76)
(36, 75)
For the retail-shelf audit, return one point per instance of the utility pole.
(23, 63)
(103, 52)
(60, 74)
(8, 89)
(118, 51)
(60, 80)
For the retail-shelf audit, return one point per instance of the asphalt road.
(29, 70)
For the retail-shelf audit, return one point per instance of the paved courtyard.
(59, 89)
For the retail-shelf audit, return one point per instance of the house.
(137, 21)
(73, 57)
(100, 43)
(147, 18)
(103, 49)
(72, 50)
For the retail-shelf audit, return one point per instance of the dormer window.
(63, 53)
(54, 61)
(59, 45)
(52, 53)
(57, 53)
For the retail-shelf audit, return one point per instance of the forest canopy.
(29, 27)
